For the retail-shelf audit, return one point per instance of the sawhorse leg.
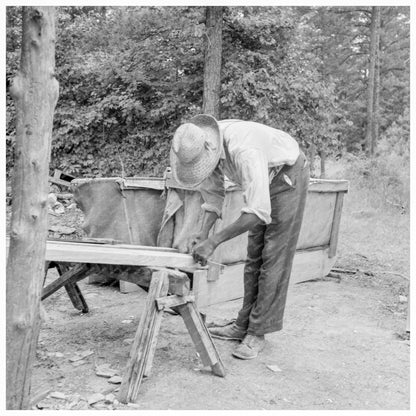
(144, 344)
(201, 338)
(73, 290)
(68, 278)
(142, 351)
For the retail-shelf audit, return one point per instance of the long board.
(129, 255)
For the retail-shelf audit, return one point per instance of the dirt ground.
(344, 346)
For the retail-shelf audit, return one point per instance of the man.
(274, 176)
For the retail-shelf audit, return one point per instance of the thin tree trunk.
(35, 92)
(375, 13)
(311, 154)
(376, 105)
(212, 68)
(322, 156)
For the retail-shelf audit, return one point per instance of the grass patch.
(375, 233)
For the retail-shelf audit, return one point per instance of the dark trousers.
(270, 252)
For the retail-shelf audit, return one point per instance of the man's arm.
(213, 193)
(208, 220)
(245, 222)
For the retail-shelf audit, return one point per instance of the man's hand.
(202, 251)
(193, 241)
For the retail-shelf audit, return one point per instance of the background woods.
(336, 78)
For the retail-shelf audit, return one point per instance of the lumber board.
(60, 182)
(145, 182)
(315, 185)
(73, 252)
(127, 183)
(307, 265)
(92, 242)
(173, 300)
(328, 185)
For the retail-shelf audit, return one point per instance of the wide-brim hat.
(195, 150)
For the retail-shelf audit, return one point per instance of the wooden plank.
(307, 265)
(93, 242)
(58, 174)
(108, 241)
(201, 338)
(145, 340)
(128, 183)
(328, 185)
(142, 182)
(315, 185)
(333, 242)
(173, 300)
(113, 254)
(59, 182)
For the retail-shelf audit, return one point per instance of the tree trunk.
(322, 157)
(311, 154)
(375, 23)
(376, 105)
(212, 68)
(35, 92)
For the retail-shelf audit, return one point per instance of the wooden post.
(35, 92)
(336, 222)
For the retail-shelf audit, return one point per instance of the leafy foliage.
(130, 75)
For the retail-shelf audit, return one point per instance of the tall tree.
(376, 106)
(35, 92)
(372, 94)
(212, 67)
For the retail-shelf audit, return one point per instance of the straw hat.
(195, 151)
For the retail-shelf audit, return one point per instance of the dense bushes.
(130, 75)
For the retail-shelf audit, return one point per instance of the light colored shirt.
(252, 153)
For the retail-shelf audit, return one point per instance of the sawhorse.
(144, 345)
(180, 299)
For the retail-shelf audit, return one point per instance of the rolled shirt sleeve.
(253, 167)
(213, 191)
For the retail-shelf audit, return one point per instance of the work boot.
(230, 331)
(250, 347)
